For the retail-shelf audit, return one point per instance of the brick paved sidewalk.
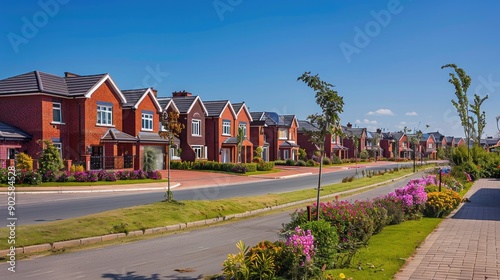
(466, 245)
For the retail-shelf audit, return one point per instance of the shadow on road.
(131, 275)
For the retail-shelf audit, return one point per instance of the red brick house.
(192, 114)
(141, 118)
(395, 145)
(257, 135)
(11, 142)
(458, 141)
(428, 146)
(280, 131)
(81, 115)
(450, 141)
(220, 131)
(332, 144)
(439, 138)
(352, 135)
(243, 121)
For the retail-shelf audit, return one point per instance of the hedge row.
(219, 166)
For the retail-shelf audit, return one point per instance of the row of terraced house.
(93, 122)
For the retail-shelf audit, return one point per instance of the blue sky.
(383, 57)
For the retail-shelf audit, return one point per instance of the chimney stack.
(69, 74)
(155, 92)
(379, 130)
(349, 125)
(181, 94)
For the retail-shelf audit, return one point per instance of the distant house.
(373, 143)
(80, 115)
(280, 131)
(395, 145)
(354, 140)
(332, 144)
(222, 126)
(192, 114)
(257, 135)
(458, 141)
(450, 141)
(428, 145)
(243, 121)
(440, 139)
(490, 144)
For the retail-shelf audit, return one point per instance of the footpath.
(466, 245)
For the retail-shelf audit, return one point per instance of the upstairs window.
(104, 114)
(57, 112)
(243, 125)
(147, 120)
(196, 127)
(226, 127)
(430, 146)
(283, 133)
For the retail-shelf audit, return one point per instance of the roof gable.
(166, 103)
(136, 96)
(186, 103)
(239, 107)
(106, 78)
(217, 108)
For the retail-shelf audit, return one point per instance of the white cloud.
(357, 121)
(384, 112)
(367, 121)
(411, 114)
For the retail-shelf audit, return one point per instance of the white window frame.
(430, 146)
(198, 151)
(195, 127)
(244, 126)
(226, 127)
(162, 128)
(104, 115)
(285, 133)
(147, 121)
(286, 154)
(57, 107)
(58, 146)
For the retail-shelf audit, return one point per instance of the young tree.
(461, 85)
(173, 128)
(50, 159)
(328, 122)
(239, 141)
(475, 109)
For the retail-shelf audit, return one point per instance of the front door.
(265, 153)
(226, 155)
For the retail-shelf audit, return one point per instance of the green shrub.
(77, 168)
(50, 162)
(149, 159)
(301, 163)
(24, 162)
(310, 162)
(265, 166)
(336, 160)
(32, 178)
(290, 162)
(326, 161)
(364, 154)
(326, 242)
(251, 167)
(302, 154)
(280, 162)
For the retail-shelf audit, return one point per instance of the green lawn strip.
(162, 214)
(89, 184)
(386, 252)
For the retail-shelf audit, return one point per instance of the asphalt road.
(39, 208)
(198, 252)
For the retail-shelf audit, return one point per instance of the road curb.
(88, 240)
(94, 191)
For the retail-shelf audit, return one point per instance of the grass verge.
(163, 214)
(387, 252)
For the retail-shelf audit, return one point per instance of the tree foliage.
(475, 108)
(239, 141)
(50, 159)
(328, 121)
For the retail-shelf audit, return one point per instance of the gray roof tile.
(183, 103)
(9, 132)
(132, 96)
(115, 135)
(216, 107)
